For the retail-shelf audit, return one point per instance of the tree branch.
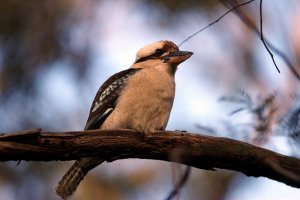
(203, 152)
(248, 22)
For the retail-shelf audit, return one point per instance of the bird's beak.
(177, 57)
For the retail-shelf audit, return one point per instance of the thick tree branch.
(203, 152)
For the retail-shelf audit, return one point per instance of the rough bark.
(199, 151)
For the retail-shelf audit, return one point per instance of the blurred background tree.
(55, 54)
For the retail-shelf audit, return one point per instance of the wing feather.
(106, 98)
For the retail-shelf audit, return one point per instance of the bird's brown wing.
(106, 98)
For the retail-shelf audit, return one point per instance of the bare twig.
(283, 56)
(268, 45)
(203, 152)
(215, 21)
(180, 184)
(262, 36)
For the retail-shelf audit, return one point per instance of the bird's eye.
(159, 52)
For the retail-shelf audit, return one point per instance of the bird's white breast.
(145, 103)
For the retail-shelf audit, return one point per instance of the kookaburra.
(138, 98)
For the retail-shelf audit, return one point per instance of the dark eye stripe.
(159, 52)
(156, 54)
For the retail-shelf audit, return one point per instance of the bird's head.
(164, 53)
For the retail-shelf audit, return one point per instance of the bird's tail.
(70, 181)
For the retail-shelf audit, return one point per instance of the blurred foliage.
(177, 6)
(34, 34)
(263, 112)
(290, 125)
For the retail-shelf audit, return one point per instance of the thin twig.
(262, 36)
(180, 184)
(218, 19)
(283, 56)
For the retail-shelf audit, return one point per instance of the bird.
(140, 98)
